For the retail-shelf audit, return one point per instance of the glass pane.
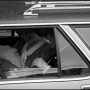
(30, 55)
(84, 32)
(71, 63)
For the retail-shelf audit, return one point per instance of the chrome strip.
(55, 23)
(66, 8)
(38, 80)
(68, 2)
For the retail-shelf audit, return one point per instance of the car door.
(34, 77)
(69, 65)
(79, 74)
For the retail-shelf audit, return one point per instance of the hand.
(35, 62)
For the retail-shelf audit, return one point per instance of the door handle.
(85, 87)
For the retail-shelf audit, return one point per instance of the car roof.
(11, 13)
(63, 19)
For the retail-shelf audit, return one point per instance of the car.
(69, 62)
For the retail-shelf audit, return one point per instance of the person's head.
(26, 34)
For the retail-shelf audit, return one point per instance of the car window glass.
(84, 32)
(30, 55)
(71, 63)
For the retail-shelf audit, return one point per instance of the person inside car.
(31, 56)
(10, 57)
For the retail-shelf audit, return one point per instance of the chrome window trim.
(70, 2)
(62, 8)
(40, 24)
(13, 81)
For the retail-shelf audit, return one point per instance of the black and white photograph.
(45, 44)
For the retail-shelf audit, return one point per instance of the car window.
(84, 33)
(71, 62)
(5, 33)
(31, 53)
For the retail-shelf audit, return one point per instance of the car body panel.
(64, 83)
(35, 20)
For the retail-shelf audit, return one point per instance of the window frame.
(37, 26)
(64, 34)
(76, 48)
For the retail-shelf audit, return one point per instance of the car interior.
(12, 40)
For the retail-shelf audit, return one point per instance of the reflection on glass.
(85, 34)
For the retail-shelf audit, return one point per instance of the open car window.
(39, 63)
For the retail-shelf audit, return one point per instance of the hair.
(39, 31)
(24, 31)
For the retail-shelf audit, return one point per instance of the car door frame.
(56, 81)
